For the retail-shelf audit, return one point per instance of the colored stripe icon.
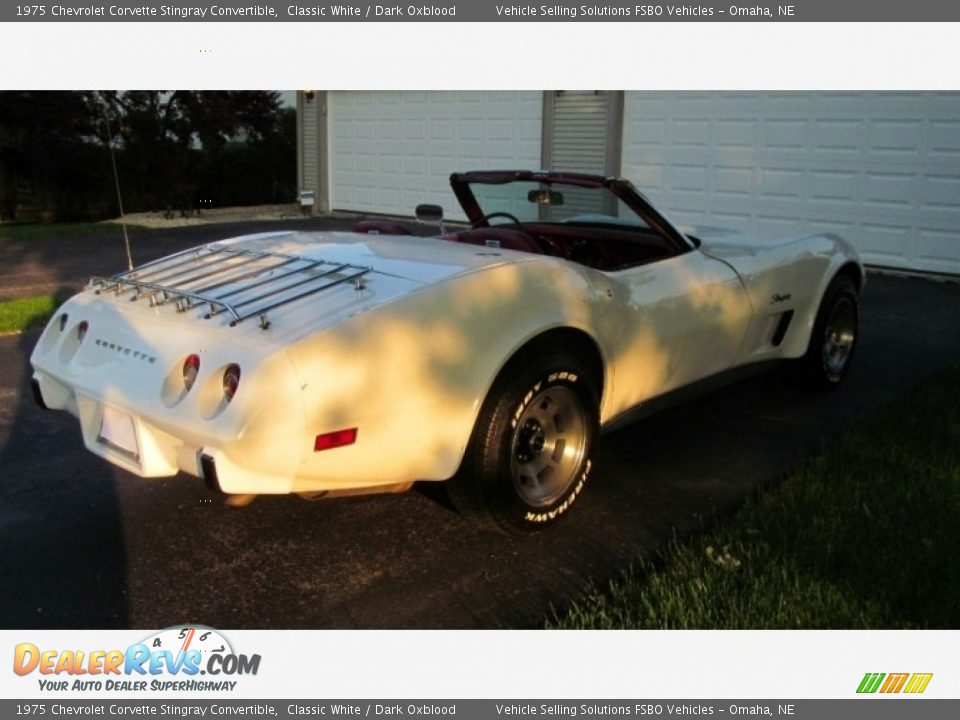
(918, 682)
(894, 683)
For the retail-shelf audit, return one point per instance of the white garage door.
(391, 151)
(882, 169)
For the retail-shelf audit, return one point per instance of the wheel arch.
(854, 271)
(473, 489)
(563, 339)
(850, 269)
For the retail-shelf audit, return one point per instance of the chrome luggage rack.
(234, 280)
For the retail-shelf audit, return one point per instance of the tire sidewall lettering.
(528, 516)
(528, 396)
(486, 488)
(547, 516)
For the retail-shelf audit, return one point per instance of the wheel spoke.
(558, 423)
(530, 479)
(558, 447)
(839, 336)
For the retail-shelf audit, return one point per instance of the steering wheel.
(547, 246)
(486, 219)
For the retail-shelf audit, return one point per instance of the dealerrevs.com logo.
(893, 683)
(171, 660)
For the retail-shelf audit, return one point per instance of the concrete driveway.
(87, 545)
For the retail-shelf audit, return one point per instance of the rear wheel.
(834, 336)
(529, 455)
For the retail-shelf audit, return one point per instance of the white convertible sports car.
(337, 363)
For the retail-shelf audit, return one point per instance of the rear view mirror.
(545, 196)
(429, 213)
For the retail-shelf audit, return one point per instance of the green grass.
(44, 231)
(867, 535)
(27, 313)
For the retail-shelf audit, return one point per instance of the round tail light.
(191, 368)
(82, 331)
(231, 381)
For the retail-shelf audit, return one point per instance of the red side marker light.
(335, 439)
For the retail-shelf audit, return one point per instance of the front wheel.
(529, 455)
(834, 336)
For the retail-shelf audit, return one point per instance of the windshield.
(535, 201)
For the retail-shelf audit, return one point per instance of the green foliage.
(50, 155)
(174, 150)
(27, 313)
(863, 536)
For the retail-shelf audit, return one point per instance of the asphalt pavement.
(86, 545)
(39, 265)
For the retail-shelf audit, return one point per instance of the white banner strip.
(497, 664)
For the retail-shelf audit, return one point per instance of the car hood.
(720, 241)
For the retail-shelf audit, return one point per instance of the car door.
(668, 324)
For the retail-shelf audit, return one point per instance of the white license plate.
(117, 431)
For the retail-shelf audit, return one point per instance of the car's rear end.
(217, 361)
(157, 392)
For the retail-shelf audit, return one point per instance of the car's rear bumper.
(149, 449)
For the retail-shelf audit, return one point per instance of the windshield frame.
(620, 188)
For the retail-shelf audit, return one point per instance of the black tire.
(528, 458)
(834, 337)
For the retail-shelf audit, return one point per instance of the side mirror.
(429, 213)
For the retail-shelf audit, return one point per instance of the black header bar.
(482, 11)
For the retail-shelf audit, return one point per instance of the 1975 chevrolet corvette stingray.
(335, 363)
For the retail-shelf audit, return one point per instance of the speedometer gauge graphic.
(180, 639)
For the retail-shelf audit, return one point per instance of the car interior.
(600, 248)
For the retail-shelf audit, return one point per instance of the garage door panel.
(944, 139)
(419, 138)
(882, 169)
(888, 242)
(733, 182)
(939, 247)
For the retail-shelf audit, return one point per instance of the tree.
(48, 141)
(169, 145)
(165, 136)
